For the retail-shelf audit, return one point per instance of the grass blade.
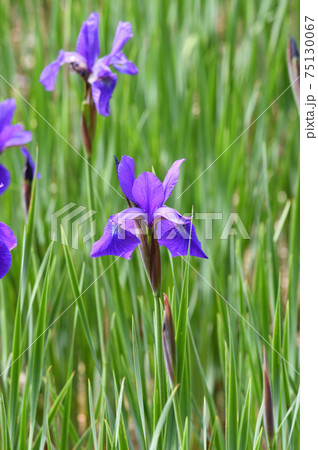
(162, 419)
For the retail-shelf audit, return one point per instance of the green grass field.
(207, 70)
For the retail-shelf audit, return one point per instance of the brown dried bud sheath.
(155, 266)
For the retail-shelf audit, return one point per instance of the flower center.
(80, 68)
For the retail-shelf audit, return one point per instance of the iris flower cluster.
(12, 136)
(147, 223)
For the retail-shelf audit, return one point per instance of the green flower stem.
(177, 414)
(159, 397)
(159, 355)
(160, 375)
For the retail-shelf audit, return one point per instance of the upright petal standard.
(95, 72)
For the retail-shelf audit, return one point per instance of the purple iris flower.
(147, 216)
(7, 243)
(10, 136)
(95, 72)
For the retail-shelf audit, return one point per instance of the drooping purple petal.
(126, 176)
(148, 193)
(172, 177)
(5, 259)
(14, 135)
(122, 64)
(170, 214)
(4, 179)
(88, 41)
(7, 108)
(7, 242)
(49, 73)
(176, 239)
(103, 84)
(7, 236)
(29, 165)
(115, 241)
(122, 36)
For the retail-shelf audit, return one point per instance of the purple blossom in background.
(7, 243)
(147, 216)
(29, 166)
(95, 72)
(10, 136)
(294, 69)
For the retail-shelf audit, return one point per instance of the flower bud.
(268, 415)
(27, 189)
(28, 176)
(88, 122)
(116, 163)
(294, 69)
(169, 341)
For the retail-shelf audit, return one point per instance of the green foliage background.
(207, 70)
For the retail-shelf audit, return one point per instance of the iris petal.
(170, 214)
(177, 239)
(172, 177)
(49, 73)
(7, 242)
(4, 179)
(102, 90)
(115, 241)
(7, 108)
(148, 193)
(14, 135)
(88, 40)
(5, 259)
(123, 65)
(7, 236)
(29, 160)
(122, 36)
(128, 215)
(126, 176)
